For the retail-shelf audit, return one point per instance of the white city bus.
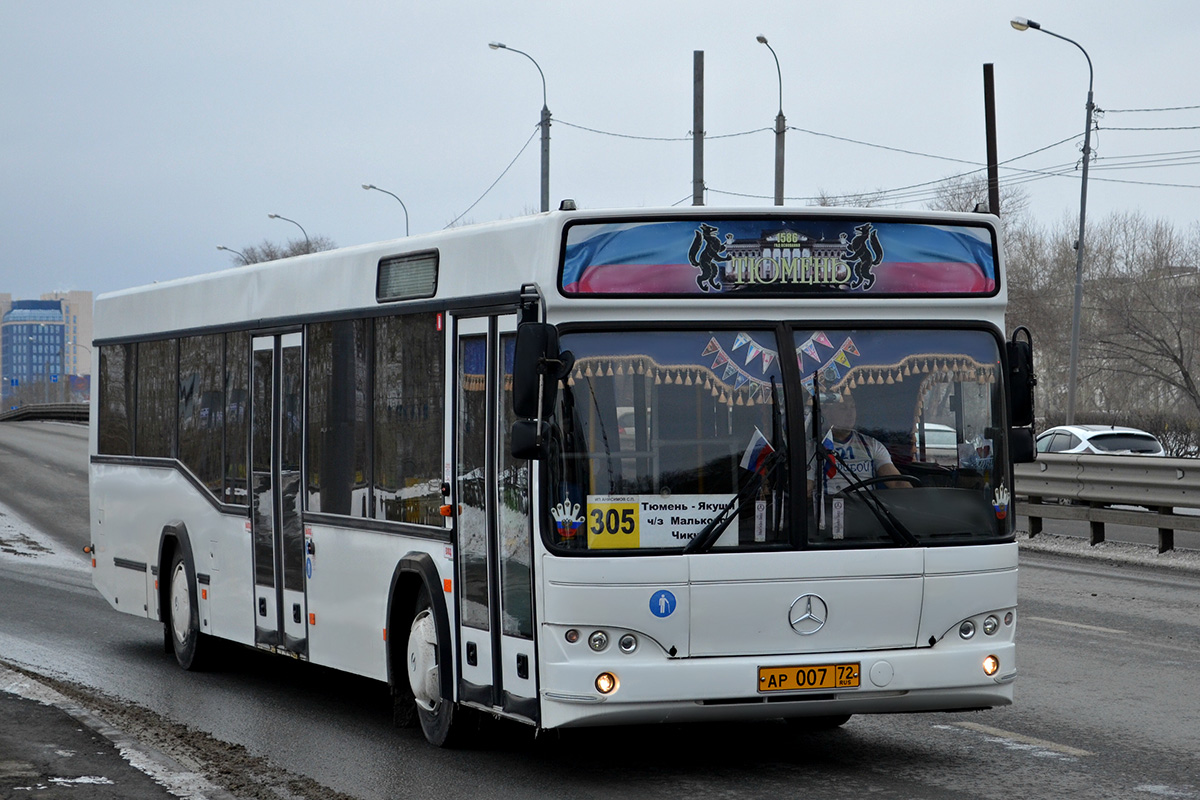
(620, 515)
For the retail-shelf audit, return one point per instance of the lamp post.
(545, 125)
(398, 200)
(238, 253)
(66, 375)
(307, 243)
(1021, 24)
(780, 127)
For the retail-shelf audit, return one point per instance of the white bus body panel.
(348, 576)
(147, 499)
(884, 606)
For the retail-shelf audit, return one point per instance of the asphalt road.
(1106, 703)
(44, 474)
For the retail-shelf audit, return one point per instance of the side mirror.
(1021, 379)
(537, 364)
(1021, 447)
(529, 439)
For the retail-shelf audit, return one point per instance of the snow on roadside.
(21, 542)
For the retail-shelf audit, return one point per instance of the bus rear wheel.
(183, 617)
(443, 722)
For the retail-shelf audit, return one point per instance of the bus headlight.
(967, 629)
(606, 683)
(598, 640)
(991, 665)
(991, 625)
(628, 643)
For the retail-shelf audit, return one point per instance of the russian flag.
(757, 452)
(830, 460)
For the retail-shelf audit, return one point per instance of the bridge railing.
(70, 412)
(1148, 492)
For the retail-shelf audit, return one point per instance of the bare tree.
(968, 192)
(1143, 312)
(853, 200)
(270, 251)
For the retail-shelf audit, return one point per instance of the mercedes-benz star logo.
(808, 614)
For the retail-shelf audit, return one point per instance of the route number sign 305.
(649, 521)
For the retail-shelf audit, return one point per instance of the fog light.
(628, 643)
(991, 625)
(967, 629)
(606, 683)
(572, 636)
(598, 641)
(991, 665)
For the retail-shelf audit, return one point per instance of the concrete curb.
(159, 767)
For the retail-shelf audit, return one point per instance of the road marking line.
(1075, 625)
(1017, 737)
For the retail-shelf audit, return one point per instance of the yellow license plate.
(815, 676)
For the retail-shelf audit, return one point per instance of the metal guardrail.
(1093, 484)
(68, 412)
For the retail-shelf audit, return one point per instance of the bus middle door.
(276, 441)
(495, 641)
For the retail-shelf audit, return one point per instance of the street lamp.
(780, 127)
(545, 125)
(398, 200)
(1021, 24)
(238, 253)
(307, 243)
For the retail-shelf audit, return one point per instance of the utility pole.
(993, 165)
(698, 128)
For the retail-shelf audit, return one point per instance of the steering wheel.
(854, 487)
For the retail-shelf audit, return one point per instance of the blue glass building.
(32, 337)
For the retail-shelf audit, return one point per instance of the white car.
(1110, 440)
(941, 444)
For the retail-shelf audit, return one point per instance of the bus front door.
(497, 667)
(277, 378)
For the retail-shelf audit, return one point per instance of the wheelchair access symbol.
(662, 603)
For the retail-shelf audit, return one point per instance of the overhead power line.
(1139, 110)
(502, 174)
(1175, 128)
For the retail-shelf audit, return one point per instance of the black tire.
(444, 723)
(818, 724)
(183, 616)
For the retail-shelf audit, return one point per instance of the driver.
(856, 453)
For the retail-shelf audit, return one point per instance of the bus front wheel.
(183, 617)
(442, 722)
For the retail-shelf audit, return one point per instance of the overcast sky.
(135, 137)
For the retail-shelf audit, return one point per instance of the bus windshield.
(661, 436)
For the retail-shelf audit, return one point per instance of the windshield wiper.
(887, 520)
(709, 534)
